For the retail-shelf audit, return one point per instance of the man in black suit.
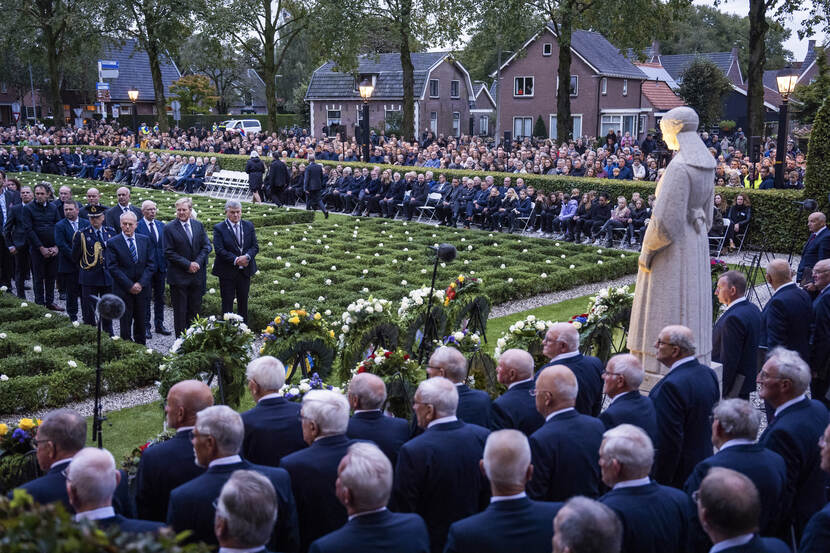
(621, 382)
(93, 197)
(91, 481)
(216, 438)
(565, 450)
(65, 197)
(473, 405)
(8, 198)
(655, 518)
(68, 270)
(785, 320)
(512, 521)
(186, 248)
(516, 408)
(131, 263)
(794, 432)
(313, 186)
(235, 243)
(820, 337)
(437, 473)
(816, 248)
(683, 399)
(167, 465)
(816, 538)
(113, 215)
(14, 234)
(735, 336)
(583, 525)
(728, 508)
(39, 220)
(367, 395)
(153, 229)
(277, 179)
(364, 484)
(561, 346)
(734, 430)
(272, 428)
(245, 512)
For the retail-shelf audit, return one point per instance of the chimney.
(735, 51)
(655, 51)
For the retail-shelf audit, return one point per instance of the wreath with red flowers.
(399, 371)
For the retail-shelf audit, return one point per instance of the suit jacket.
(655, 518)
(130, 525)
(514, 525)
(683, 400)
(227, 249)
(313, 177)
(377, 533)
(179, 252)
(473, 406)
(820, 336)
(272, 431)
(785, 320)
(124, 271)
(816, 538)
(516, 409)
(39, 224)
(588, 372)
(565, 456)
(735, 345)
(313, 473)
(794, 434)
(764, 467)
(13, 229)
(438, 477)
(388, 433)
(814, 251)
(632, 408)
(163, 467)
(764, 545)
(112, 217)
(59, 206)
(156, 245)
(63, 240)
(191, 504)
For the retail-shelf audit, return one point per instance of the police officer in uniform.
(88, 251)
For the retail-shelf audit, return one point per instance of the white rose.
(344, 329)
(470, 248)
(378, 307)
(520, 325)
(72, 364)
(4, 289)
(297, 275)
(547, 261)
(370, 309)
(212, 291)
(563, 256)
(510, 279)
(502, 266)
(37, 349)
(327, 312)
(365, 271)
(599, 251)
(404, 283)
(334, 267)
(24, 304)
(3, 377)
(321, 298)
(379, 359)
(458, 336)
(531, 318)
(303, 262)
(544, 275)
(305, 386)
(501, 342)
(48, 315)
(328, 282)
(76, 324)
(540, 325)
(599, 262)
(3, 335)
(572, 267)
(294, 391)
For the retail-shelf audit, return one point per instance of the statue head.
(680, 119)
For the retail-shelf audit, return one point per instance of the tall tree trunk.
(408, 130)
(563, 94)
(755, 73)
(153, 47)
(269, 75)
(54, 80)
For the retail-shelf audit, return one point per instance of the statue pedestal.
(651, 379)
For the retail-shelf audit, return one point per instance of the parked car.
(249, 125)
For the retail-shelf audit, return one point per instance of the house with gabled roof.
(444, 94)
(484, 112)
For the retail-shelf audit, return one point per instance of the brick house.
(444, 95)
(484, 112)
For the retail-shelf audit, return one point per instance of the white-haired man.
(235, 245)
(583, 525)
(152, 228)
(621, 382)
(561, 346)
(367, 394)
(473, 405)
(245, 513)
(516, 408)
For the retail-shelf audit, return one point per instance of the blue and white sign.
(107, 69)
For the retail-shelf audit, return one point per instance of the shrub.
(817, 178)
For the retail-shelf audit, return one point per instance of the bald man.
(167, 465)
(785, 320)
(816, 248)
(516, 408)
(561, 346)
(113, 215)
(565, 450)
(367, 396)
(621, 382)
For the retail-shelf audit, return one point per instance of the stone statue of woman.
(674, 283)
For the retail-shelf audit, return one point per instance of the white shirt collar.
(96, 514)
(497, 498)
(790, 283)
(184, 429)
(736, 302)
(636, 483)
(238, 550)
(148, 221)
(367, 513)
(567, 355)
(788, 403)
(520, 382)
(270, 396)
(225, 461)
(681, 361)
(621, 394)
(566, 409)
(820, 231)
(731, 542)
(734, 442)
(57, 463)
(366, 411)
(128, 238)
(442, 420)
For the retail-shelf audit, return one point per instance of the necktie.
(74, 226)
(813, 235)
(238, 235)
(133, 252)
(153, 231)
(189, 232)
(101, 236)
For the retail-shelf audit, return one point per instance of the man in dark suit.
(735, 336)
(734, 429)
(728, 508)
(277, 179)
(437, 473)
(245, 512)
(794, 432)
(820, 337)
(816, 248)
(785, 320)
(93, 198)
(683, 399)
(91, 481)
(216, 440)
(473, 405)
(113, 216)
(561, 346)
(367, 395)
(621, 382)
(167, 465)
(67, 269)
(153, 229)
(186, 248)
(235, 260)
(816, 538)
(516, 408)
(39, 220)
(8, 198)
(88, 247)
(512, 521)
(131, 263)
(14, 234)
(364, 484)
(583, 525)
(313, 470)
(313, 186)
(272, 428)
(565, 450)
(65, 197)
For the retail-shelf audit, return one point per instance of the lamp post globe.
(133, 95)
(786, 81)
(366, 89)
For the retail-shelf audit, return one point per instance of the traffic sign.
(176, 105)
(103, 90)
(108, 69)
(16, 116)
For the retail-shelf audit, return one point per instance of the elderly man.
(785, 320)
(561, 346)
(437, 473)
(367, 394)
(655, 518)
(235, 243)
(565, 450)
(216, 438)
(272, 427)
(735, 425)
(816, 538)
(820, 337)
(245, 512)
(512, 521)
(91, 480)
(621, 382)
(65, 197)
(68, 270)
(153, 229)
(113, 215)
(167, 465)
(325, 417)
(735, 336)
(583, 525)
(473, 405)
(683, 399)
(817, 246)
(729, 508)
(364, 484)
(516, 408)
(793, 433)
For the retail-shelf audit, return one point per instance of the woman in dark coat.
(255, 169)
(739, 216)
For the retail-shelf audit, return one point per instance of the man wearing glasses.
(621, 382)
(820, 340)
(561, 346)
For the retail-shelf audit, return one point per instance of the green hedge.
(817, 179)
(207, 121)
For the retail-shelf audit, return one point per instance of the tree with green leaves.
(817, 176)
(215, 58)
(539, 129)
(703, 89)
(810, 97)
(195, 93)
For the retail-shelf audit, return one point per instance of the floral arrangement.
(297, 321)
(717, 266)
(602, 330)
(465, 341)
(579, 320)
(525, 334)
(460, 285)
(608, 302)
(300, 332)
(362, 311)
(296, 392)
(131, 461)
(399, 371)
(213, 332)
(417, 298)
(367, 323)
(19, 439)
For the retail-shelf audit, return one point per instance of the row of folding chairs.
(228, 185)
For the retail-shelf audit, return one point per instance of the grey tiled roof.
(327, 83)
(604, 56)
(134, 70)
(808, 59)
(769, 79)
(675, 64)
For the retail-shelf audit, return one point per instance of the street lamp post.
(786, 80)
(366, 88)
(133, 94)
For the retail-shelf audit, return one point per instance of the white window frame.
(484, 124)
(437, 88)
(614, 119)
(334, 120)
(576, 86)
(641, 124)
(547, 49)
(552, 134)
(387, 109)
(603, 86)
(457, 85)
(625, 87)
(359, 118)
(456, 123)
(524, 82)
(525, 119)
(433, 122)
